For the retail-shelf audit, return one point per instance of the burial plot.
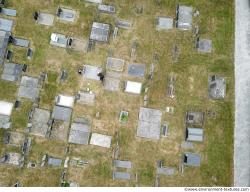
(204, 45)
(78, 44)
(84, 97)
(91, 72)
(40, 122)
(59, 130)
(62, 113)
(12, 72)
(194, 134)
(121, 175)
(149, 125)
(54, 162)
(115, 64)
(112, 84)
(14, 138)
(165, 171)
(5, 112)
(94, 1)
(100, 32)
(216, 87)
(15, 159)
(79, 132)
(187, 145)
(8, 12)
(184, 15)
(45, 19)
(65, 101)
(106, 9)
(67, 15)
(195, 118)
(136, 70)
(21, 42)
(123, 24)
(164, 23)
(6, 24)
(122, 164)
(59, 40)
(4, 40)
(191, 159)
(100, 140)
(133, 87)
(29, 88)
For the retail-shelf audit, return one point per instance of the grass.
(216, 22)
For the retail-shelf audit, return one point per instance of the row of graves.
(14, 73)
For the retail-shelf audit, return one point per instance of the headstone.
(115, 32)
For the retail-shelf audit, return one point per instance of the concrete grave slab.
(8, 12)
(136, 70)
(106, 9)
(39, 122)
(149, 125)
(164, 23)
(121, 176)
(54, 162)
(79, 133)
(4, 40)
(65, 101)
(12, 72)
(192, 159)
(100, 32)
(184, 17)
(5, 122)
(194, 134)
(21, 42)
(122, 164)
(165, 171)
(67, 15)
(62, 113)
(123, 24)
(204, 46)
(29, 88)
(6, 24)
(59, 40)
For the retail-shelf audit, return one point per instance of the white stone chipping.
(5, 108)
(133, 87)
(65, 101)
(100, 140)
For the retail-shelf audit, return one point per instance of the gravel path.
(242, 95)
